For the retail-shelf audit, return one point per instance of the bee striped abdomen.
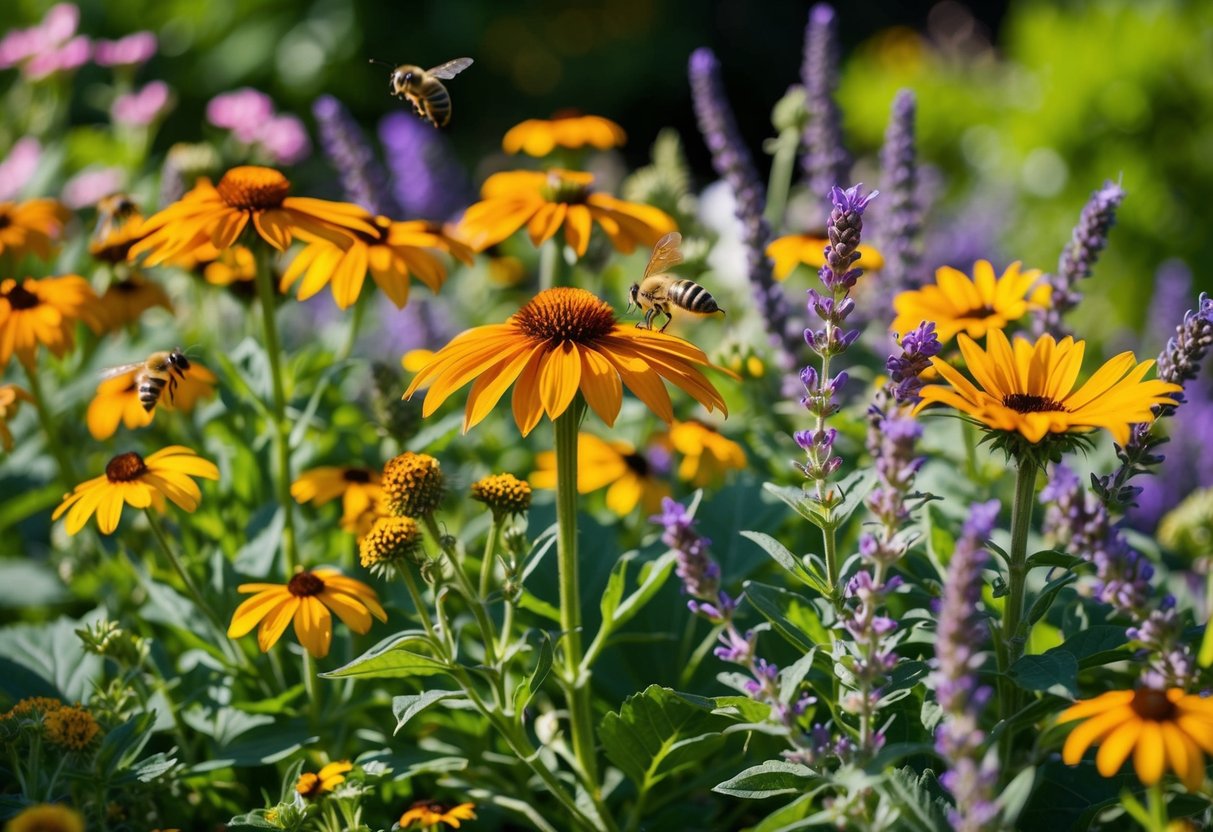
(437, 101)
(692, 297)
(150, 389)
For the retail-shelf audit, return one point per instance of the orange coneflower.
(11, 397)
(125, 301)
(794, 250)
(539, 137)
(957, 304)
(312, 785)
(31, 227)
(359, 489)
(707, 455)
(564, 341)
(428, 814)
(45, 312)
(216, 215)
(395, 250)
(545, 201)
(306, 599)
(131, 479)
(1029, 388)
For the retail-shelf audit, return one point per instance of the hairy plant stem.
(58, 449)
(268, 298)
(490, 553)
(487, 633)
(410, 584)
(309, 685)
(576, 678)
(1010, 645)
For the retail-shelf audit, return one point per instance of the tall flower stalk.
(902, 237)
(362, 177)
(825, 160)
(733, 162)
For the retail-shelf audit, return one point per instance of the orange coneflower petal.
(353, 588)
(227, 228)
(86, 504)
(1117, 746)
(466, 364)
(577, 227)
(275, 621)
(349, 276)
(348, 609)
(274, 227)
(109, 510)
(1105, 378)
(1185, 757)
(253, 609)
(546, 222)
(526, 404)
(491, 386)
(1093, 730)
(624, 494)
(184, 492)
(328, 258)
(559, 378)
(1090, 707)
(601, 386)
(1199, 729)
(1149, 753)
(314, 626)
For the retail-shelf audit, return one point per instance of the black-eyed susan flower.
(125, 301)
(626, 473)
(426, 814)
(539, 137)
(504, 494)
(563, 341)
(11, 397)
(413, 484)
(43, 312)
(306, 599)
(217, 215)
(391, 254)
(119, 226)
(70, 727)
(117, 401)
(314, 784)
(545, 201)
(33, 706)
(794, 250)
(31, 227)
(389, 541)
(707, 455)
(358, 488)
(974, 306)
(1028, 388)
(1161, 729)
(232, 266)
(129, 479)
(46, 817)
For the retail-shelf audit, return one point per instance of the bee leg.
(668, 319)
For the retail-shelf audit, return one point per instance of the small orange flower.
(601, 464)
(11, 397)
(31, 227)
(428, 814)
(972, 306)
(539, 137)
(545, 201)
(125, 301)
(809, 250)
(357, 487)
(330, 777)
(44, 312)
(707, 455)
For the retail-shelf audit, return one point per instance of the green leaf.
(533, 603)
(653, 576)
(123, 744)
(48, 660)
(391, 659)
(408, 706)
(919, 810)
(1096, 645)
(659, 732)
(940, 540)
(1065, 796)
(613, 593)
(1045, 600)
(791, 615)
(780, 554)
(27, 583)
(1054, 558)
(1205, 656)
(851, 490)
(526, 688)
(772, 778)
(1054, 672)
(265, 744)
(1015, 796)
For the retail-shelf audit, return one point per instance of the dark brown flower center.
(978, 312)
(637, 464)
(19, 297)
(126, 467)
(569, 191)
(127, 287)
(5, 220)
(251, 188)
(566, 314)
(356, 475)
(1028, 403)
(305, 585)
(1149, 703)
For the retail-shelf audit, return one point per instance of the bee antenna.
(384, 63)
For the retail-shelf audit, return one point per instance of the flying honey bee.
(424, 89)
(657, 291)
(155, 375)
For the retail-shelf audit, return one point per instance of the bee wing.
(450, 69)
(121, 369)
(666, 254)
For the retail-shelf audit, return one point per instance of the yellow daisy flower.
(125, 301)
(1029, 388)
(794, 250)
(359, 490)
(119, 226)
(545, 201)
(11, 397)
(31, 227)
(131, 479)
(539, 137)
(235, 265)
(216, 215)
(564, 341)
(600, 464)
(117, 400)
(390, 254)
(1161, 729)
(707, 455)
(427, 814)
(306, 599)
(44, 312)
(957, 304)
(46, 817)
(330, 777)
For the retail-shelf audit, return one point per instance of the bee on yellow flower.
(117, 400)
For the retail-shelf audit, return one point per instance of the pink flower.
(127, 51)
(18, 167)
(18, 46)
(60, 23)
(244, 111)
(92, 185)
(285, 139)
(142, 107)
(71, 55)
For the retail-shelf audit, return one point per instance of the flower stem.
(415, 594)
(1156, 802)
(487, 635)
(780, 182)
(553, 271)
(309, 685)
(351, 335)
(282, 450)
(576, 678)
(1021, 523)
(58, 449)
(487, 561)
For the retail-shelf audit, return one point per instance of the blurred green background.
(1025, 108)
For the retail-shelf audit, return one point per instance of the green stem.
(553, 271)
(487, 634)
(1157, 805)
(487, 562)
(190, 587)
(576, 676)
(351, 336)
(1021, 523)
(415, 594)
(309, 686)
(58, 449)
(282, 452)
(782, 165)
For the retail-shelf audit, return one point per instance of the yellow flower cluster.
(413, 484)
(391, 539)
(504, 494)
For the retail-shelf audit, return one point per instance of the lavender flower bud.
(902, 239)
(362, 178)
(825, 161)
(844, 230)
